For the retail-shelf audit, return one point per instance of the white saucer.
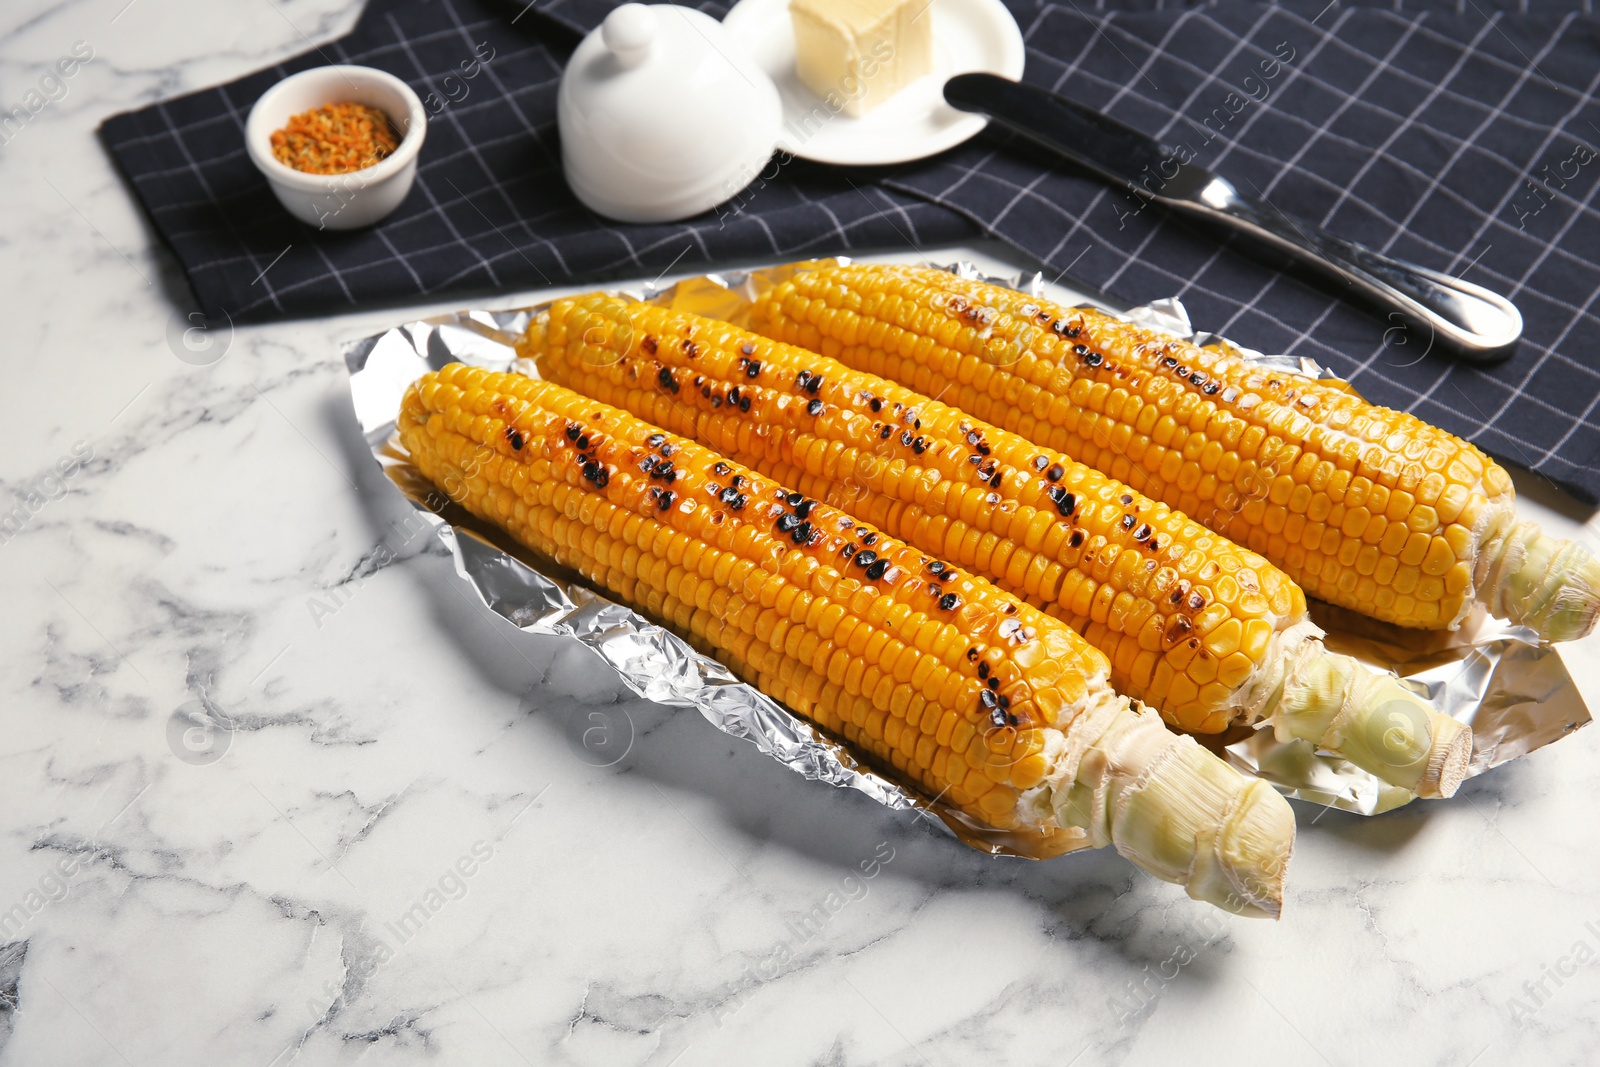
(968, 35)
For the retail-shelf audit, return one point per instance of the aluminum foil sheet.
(1515, 693)
(540, 597)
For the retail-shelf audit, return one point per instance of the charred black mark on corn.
(996, 705)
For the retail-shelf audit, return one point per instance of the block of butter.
(855, 54)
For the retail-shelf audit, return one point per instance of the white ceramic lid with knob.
(662, 115)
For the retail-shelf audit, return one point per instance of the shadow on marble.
(1088, 894)
(685, 764)
(1388, 833)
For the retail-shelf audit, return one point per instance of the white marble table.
(401, 855)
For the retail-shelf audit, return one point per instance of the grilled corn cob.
(1207, 632)
(1365, 507)
(955, 684)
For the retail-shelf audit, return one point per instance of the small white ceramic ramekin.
(339, 201)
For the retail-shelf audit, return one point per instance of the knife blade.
(1472, 323)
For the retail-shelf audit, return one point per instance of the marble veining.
(274, 789)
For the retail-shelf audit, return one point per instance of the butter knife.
(1470, 322)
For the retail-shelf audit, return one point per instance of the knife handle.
(1478, 326)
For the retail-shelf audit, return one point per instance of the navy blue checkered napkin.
(1464, 139)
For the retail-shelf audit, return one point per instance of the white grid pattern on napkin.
(1454, 110)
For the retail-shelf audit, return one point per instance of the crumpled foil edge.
(1513, 691)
